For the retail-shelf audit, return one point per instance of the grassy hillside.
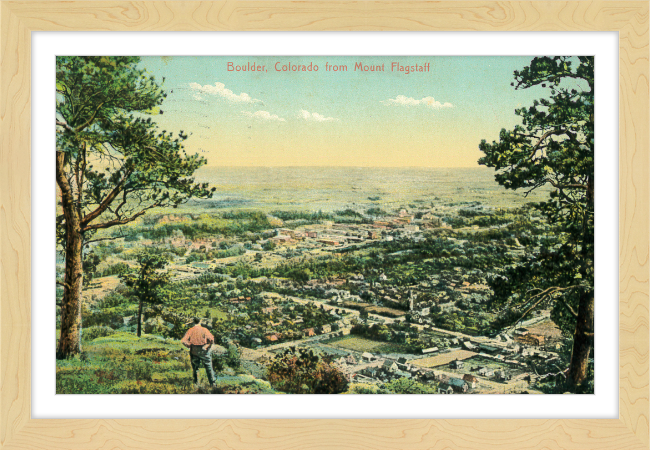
(120, 363)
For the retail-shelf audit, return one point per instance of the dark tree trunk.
(69, 339)
(582, 342)
(583, 338)
(139, 318)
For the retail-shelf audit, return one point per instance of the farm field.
(384, 311)
(444, 358)
(547, 329)
(359, 344)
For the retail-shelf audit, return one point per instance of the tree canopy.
(553, 147)
(113, 164)
(301, 371)
(148, 282)
(117, 161)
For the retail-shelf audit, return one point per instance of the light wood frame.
(19, 431)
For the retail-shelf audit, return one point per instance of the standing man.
(199, 340)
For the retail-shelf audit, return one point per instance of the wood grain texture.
(19, 431)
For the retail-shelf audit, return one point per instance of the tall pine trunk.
(583, 337)
(69, 339)
(582, 342)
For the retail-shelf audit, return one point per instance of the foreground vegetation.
(122, 363)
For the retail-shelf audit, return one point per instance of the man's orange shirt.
(197, 335)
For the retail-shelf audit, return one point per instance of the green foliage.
(408, 386)
(240, 384)
(129, 368)
(303, 216)
(378, 332)
(232, 357)
(110, 317)
(113, 151)
(123, 364)
(299, 274)
(80, 381)
(375, 211)
(90, 333)
(214, 254)
(205, 225)
(365, 388)
(301, 371)
(553, 146)
(148, 283)
(112, 300)
(114, 269)
(89, 263)
(209, 278)
(146, 387)
(175, 377)
(218, 363)
(348, 212)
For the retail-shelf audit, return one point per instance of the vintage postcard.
(325, 225)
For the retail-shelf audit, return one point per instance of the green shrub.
(111, 300)
(365, 388)
(139, 370)
(110, 317)
(145, 387)
(218, 362)
(115, 269)
(130, 368)
(301, 371)
(112, 352)
(81, 382)
(174, 377)
(91, 333)
(233, 359)
(73, 369)
(406, 386)
(155, 354)
(118, 337)
(242, 384)
(182, 363)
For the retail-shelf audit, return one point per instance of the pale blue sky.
(270, 118)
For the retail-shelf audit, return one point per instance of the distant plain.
(336, 188)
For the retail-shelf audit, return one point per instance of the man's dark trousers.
(199, 356)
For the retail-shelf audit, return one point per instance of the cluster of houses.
(328, 233)
(424, 300)
(454, 385)
(307, 332)
(373, 368)
(419, 300)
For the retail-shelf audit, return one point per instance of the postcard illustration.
(325, 225)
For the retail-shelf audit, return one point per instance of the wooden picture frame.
(19, 431)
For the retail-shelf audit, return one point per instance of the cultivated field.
(444, 358)
(357, 344)
(383, 311)
(547, 329)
